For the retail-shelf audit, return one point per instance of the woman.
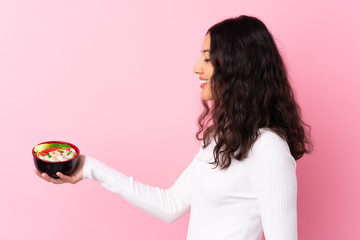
(242, 182)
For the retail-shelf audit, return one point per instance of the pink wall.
(115, 78)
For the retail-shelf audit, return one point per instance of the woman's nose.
(197, 68)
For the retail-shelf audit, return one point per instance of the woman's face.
(205, 69)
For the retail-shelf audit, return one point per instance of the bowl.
(66, 167)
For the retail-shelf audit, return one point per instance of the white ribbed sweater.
(251, 196)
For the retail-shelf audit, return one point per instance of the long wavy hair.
(250, 90)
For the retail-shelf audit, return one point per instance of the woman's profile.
(242, 182)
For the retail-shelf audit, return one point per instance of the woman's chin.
(206, 95)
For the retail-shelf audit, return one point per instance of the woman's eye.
(207, 60)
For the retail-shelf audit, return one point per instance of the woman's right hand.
(75, 177)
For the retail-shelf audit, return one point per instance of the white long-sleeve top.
(252, 196)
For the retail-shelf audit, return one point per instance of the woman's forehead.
(206, 42)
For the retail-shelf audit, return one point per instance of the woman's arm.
(275, 184)
(166, 204)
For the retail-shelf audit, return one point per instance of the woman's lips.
(203, 82)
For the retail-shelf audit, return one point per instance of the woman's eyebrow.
(206, 50)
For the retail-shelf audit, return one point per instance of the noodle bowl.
(55, 156)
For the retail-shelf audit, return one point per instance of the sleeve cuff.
(88, 166)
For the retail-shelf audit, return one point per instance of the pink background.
(115, 78)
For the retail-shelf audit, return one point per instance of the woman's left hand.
(75, 177)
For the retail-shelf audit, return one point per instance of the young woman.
(242, 182)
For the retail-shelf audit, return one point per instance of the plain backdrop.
(116, 79)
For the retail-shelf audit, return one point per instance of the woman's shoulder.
(268, 136)
(270, 146)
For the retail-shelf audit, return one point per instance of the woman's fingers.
(37, 173)
(48, 178)
(52, 180)
(65, 178)
(75, 177)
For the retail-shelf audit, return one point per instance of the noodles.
(55, 152)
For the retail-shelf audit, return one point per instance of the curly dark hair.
(250, 90)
